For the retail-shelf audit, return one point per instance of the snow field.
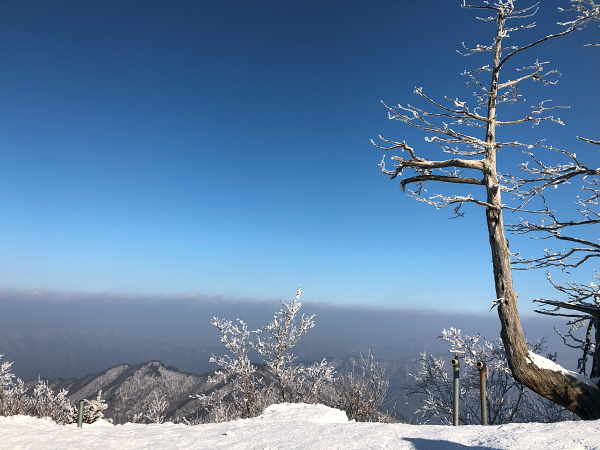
(295, 426)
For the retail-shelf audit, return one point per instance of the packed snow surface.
(295, 426)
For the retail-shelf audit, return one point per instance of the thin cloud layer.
(184, 320)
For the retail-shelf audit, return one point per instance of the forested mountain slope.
(131, 390)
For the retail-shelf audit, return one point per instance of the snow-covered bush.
(507, 400)
(93, 410)
(361, 392)
(248, 394)
(297, 384)
(12, 392)
(217, 407)
(245, 392)
(156, 408)
(42, 401)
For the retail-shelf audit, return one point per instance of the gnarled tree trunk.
(577, 396)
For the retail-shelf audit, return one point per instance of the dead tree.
(478, 157)
(583, 300)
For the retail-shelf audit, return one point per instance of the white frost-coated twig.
(549, 224)
(445, 125)
(507, 400)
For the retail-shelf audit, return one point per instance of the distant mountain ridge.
(76, 353)
(129, 389)
(77, 360)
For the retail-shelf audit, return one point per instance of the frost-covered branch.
(507, 400)
(550, 225)
(249, 392)
(296, 382)
(584, 299)
(361, 392)
(588, 11)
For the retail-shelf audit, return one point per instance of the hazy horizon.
(184, 321)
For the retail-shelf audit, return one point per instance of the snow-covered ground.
(295, 426)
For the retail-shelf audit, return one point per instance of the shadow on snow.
(434, 444)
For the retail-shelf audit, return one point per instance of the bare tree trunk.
(567, 391)
(581, 398)
(596, 356)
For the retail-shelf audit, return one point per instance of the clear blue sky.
(166, 147)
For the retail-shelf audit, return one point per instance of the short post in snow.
(80, 414)
(482, 376)
(456, 365)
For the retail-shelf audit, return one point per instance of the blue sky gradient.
(223, 148)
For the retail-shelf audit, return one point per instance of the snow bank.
(301, 412)
(545, 363)
(295, 427)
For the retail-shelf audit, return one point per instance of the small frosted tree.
(244, 394)
(249, 394)
(156, 411)
(93, 410)
(217, 406)
(296, 382)
(362, 391)
(43, 402)
(12, 392)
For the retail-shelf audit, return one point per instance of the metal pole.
(482, 374)
(80, 414)
(456, 365)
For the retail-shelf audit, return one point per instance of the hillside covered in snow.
(296, 426)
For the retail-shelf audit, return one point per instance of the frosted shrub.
(12, 392)
(248, 394)
(361, 392)
(297, 384)
(218, 408)
(156, 409)
(245, 394)
(43, 401)
(93, 410)
(507, 400)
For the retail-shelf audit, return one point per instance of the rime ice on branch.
(468, 134)
(507, 400)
